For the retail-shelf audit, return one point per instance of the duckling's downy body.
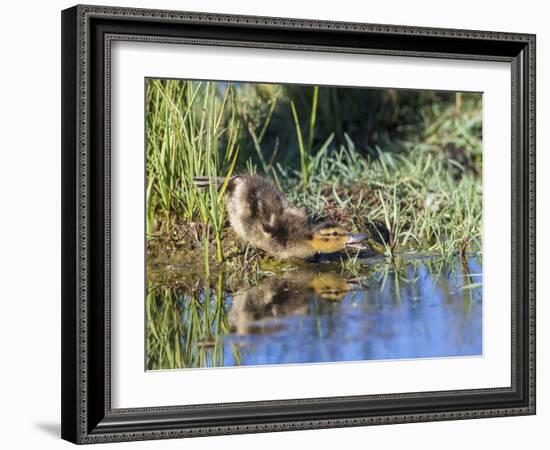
(260, 214)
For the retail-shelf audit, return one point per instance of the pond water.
(413, 308)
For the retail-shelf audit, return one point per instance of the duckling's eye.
(334, 233)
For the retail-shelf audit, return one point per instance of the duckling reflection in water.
(260, 214)
(276, 297)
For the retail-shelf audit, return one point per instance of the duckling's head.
(330, 237)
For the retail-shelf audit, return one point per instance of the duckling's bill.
(354, 241)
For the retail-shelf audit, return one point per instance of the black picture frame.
(87, 32)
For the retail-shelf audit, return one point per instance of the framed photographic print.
(281, 224)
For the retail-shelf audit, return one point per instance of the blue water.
(423, 309)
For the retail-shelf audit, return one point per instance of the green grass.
(418, 173)
(189, 133)
(424, 207)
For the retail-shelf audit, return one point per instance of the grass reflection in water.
(408, 308)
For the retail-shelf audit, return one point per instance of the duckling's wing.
(267, 204)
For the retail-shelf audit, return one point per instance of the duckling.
(260, 214)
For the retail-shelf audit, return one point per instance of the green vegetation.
(409, 160)
(186, 124)
(402, 166)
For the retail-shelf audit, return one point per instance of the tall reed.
(192, 130)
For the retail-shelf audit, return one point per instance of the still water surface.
(418, 308)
